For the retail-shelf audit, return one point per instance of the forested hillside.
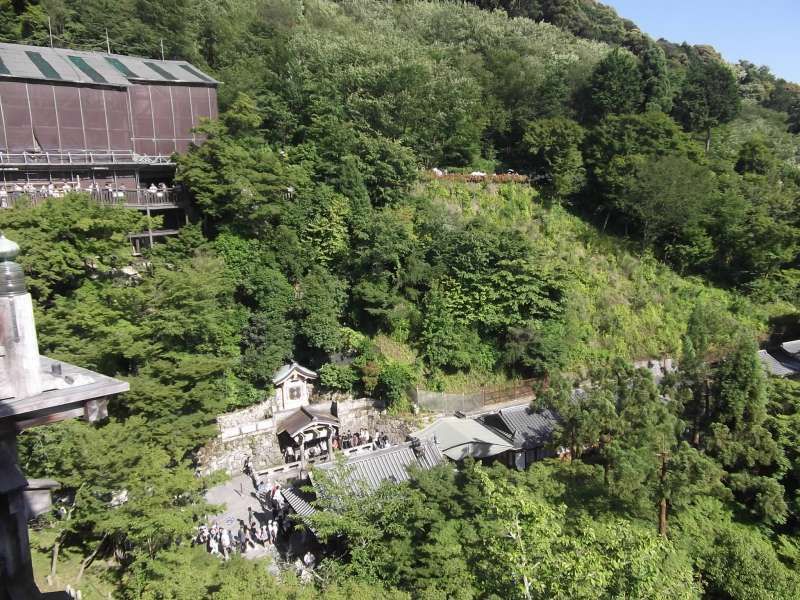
(660, 221)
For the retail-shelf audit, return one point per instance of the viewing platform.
(82, 158)
(139, 199)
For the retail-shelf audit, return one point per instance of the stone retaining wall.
(256, 438)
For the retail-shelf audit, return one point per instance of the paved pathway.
(235, 496)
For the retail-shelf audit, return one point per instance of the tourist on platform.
(273, 531)
(263, 535)
(213, 545)
(225, 540)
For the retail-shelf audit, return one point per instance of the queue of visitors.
(345, 441)
(107, 192)
(264, 528)
(360, 438)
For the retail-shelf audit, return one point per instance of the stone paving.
(235, 496)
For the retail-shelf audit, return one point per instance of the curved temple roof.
(18, 61)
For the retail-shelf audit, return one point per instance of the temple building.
(34, 391)
(293, 386)
(103, 123)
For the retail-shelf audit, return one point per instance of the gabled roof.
(94, 68)
(366, 472)
(779, 363)
(529, 428)
(304, 417)
(286, 371)
(458, 438)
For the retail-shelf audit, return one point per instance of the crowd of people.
(263, 528)
(353, 439)
(107, 192)
(345, 441)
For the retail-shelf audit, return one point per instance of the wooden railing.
(141, 198)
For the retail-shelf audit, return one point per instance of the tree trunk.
(54, 558)
(708, 140)
(663, 505)
(89, 559)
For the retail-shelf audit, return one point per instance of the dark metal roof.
(529, 428)
(94, 68)
(367, 471)
(303, 417)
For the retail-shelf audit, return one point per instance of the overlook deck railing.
(139, 198)
(81, 158)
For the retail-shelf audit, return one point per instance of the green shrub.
(338, 378)
(394, 382)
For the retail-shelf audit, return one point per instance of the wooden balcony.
(82, 158)
(142, 199)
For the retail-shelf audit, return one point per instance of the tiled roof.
(297, 502)
(458, 438)
(366, 472)
(779, 363)
(792, 347)
(94, 68)
(303, 417)
(530, 428)
(286, 370)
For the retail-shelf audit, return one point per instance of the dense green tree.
(554, 145)
(709, 97)
(739, 437)
(615, 87)
(755, 157)
(656, 85)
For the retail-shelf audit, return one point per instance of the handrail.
(139, 198)
(83, 157)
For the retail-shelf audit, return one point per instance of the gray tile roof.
(366, 472)
(529, 428)
(779, 363)
(282, 373)
(458, 438)
(297, 502)
(94, 68)
(792, 347)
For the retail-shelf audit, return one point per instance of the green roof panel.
(161, 71)
(87, 69)
(196, 73)
(45, 68)
(121, 67)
